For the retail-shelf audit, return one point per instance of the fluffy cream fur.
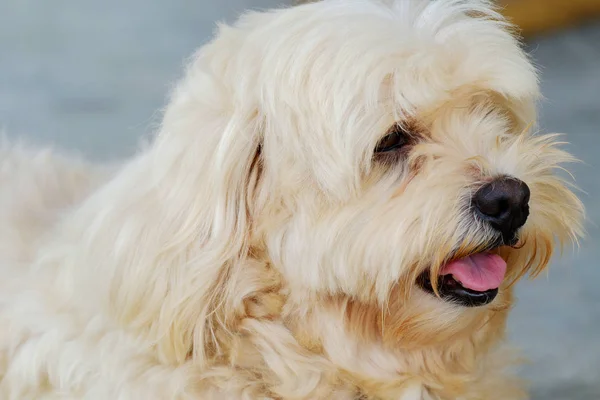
(257, 249)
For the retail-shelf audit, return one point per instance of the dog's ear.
(183, 210)
(217, 167)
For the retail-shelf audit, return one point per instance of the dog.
(336, 205)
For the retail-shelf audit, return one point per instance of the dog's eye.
(396, 138)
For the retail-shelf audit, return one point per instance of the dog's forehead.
(335, 55)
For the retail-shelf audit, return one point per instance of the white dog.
(336, 206)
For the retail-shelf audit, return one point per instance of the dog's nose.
(504, 204)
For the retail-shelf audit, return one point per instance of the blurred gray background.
(92, 76)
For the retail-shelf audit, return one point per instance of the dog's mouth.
(471, 281)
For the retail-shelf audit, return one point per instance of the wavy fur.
(256, 249)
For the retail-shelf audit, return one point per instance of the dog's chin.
(469, 281)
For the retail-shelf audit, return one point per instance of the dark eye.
(396, 138)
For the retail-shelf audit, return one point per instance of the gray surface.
(557, 319)
(90, 75)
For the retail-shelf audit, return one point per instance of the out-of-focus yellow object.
(539, 16)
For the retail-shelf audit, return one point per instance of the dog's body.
(270, 244)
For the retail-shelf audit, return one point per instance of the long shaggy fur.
(258, 249)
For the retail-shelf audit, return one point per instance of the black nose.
(504, 204)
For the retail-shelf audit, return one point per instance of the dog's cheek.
(555, 208)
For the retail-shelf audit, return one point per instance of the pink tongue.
(479, 272)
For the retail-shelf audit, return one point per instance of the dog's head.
(376, 152)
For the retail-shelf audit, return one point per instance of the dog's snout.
(504, 204)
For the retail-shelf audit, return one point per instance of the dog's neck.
(348, 335)
(348, 340)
